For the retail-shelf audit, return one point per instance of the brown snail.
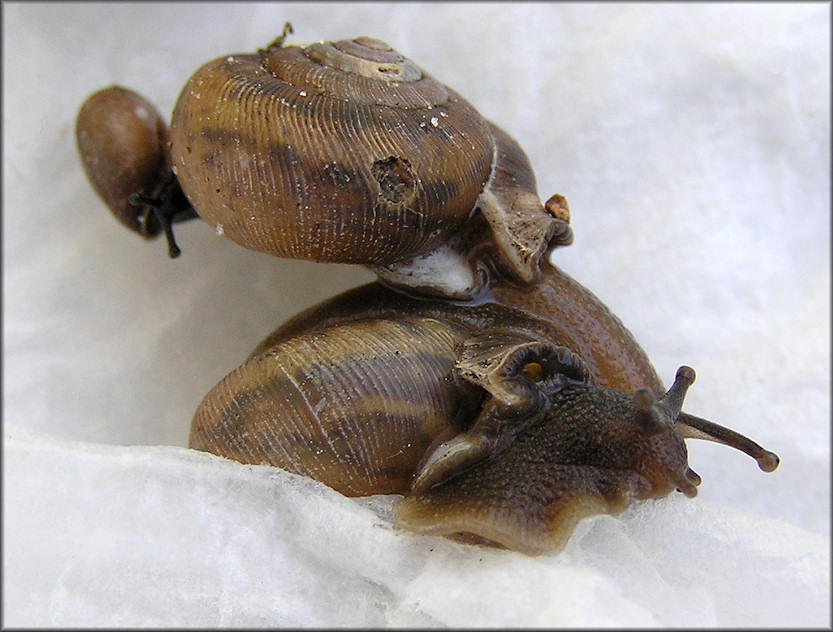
(505, 419)
(349, 152)
(124, 145)
(481, 415)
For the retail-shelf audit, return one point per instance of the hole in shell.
(396, 180)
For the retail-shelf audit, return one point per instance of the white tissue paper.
(692, 142)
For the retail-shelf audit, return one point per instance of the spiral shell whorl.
(342, 163)
(364, 71)
(355, 406)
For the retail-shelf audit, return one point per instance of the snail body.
(492, 429)
(349, 152)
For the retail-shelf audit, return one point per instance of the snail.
(493, 429)
(123, 143)
(502, 399)
(343, 152)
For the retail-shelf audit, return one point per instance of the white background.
(692, 142)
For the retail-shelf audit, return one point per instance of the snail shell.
(123, 144)
(349, 152)
(491, 428)
(571, 314)
(356, 407)
(354, 395)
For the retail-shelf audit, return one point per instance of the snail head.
(591, 450)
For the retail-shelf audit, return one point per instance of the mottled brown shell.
(122, 141)
(354, 406)
(349, 152)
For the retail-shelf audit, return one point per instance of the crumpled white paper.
(692, 143)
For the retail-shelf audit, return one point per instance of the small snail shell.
(123, 141)
(491, 428)
(349, 152)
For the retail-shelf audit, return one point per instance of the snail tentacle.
(167, 206)
(279, 40)
(692, 427)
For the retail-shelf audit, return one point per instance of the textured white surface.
(692, 142)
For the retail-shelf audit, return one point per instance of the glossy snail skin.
(595, 333)
(349, 152)
(491, 427)
(589, 450)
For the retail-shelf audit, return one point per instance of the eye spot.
(533, 371)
